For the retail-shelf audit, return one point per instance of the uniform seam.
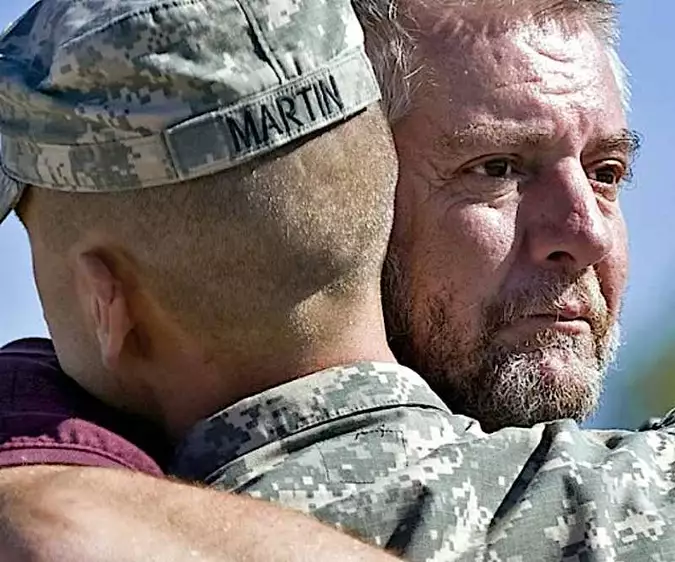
(261, 38)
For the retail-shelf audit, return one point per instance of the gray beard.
(497, 385)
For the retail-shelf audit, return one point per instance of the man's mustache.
(567, 297)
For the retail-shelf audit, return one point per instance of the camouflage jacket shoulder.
(371, 449)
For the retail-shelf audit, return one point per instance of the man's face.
(508, 260)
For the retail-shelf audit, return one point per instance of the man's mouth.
(572, 318)
(557, 322)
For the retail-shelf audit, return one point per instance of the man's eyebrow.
(626, 141)
(478, 136)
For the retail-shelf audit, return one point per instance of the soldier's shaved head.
(236, 255)
(208, 189)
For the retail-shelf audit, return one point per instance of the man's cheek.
(612, 275)
(613, 270)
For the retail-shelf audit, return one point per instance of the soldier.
(187, 173)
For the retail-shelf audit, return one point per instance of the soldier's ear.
(102, 296)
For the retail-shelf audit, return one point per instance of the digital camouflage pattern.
(107, 95)
(373, 450)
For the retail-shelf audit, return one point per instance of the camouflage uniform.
(111, 95)
(372, 449)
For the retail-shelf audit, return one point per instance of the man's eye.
(495, 168)
(608, 174)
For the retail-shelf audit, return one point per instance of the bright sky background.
(647, 48)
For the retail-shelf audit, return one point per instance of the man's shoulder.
(32, 380)
(377, 455)
(47, 418)
(428, 483)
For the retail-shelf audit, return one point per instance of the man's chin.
(523, 389)
(563, 367)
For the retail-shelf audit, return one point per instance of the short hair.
(391, 41)
(223, 250)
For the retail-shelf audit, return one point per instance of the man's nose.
(564, 222)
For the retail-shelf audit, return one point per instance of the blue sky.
(647, 48)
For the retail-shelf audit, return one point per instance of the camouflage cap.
(110, 95)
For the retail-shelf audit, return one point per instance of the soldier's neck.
(198, 385)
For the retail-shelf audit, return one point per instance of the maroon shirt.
(46, 418)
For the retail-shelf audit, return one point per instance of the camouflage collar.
(300, 405)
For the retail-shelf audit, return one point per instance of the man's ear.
(104, 301)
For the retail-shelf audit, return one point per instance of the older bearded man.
(508, 258)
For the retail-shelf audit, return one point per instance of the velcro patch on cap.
(227, 137)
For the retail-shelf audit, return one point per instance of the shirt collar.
(296, 406)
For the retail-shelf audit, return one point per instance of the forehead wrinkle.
(490, 17)
(463, 46)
